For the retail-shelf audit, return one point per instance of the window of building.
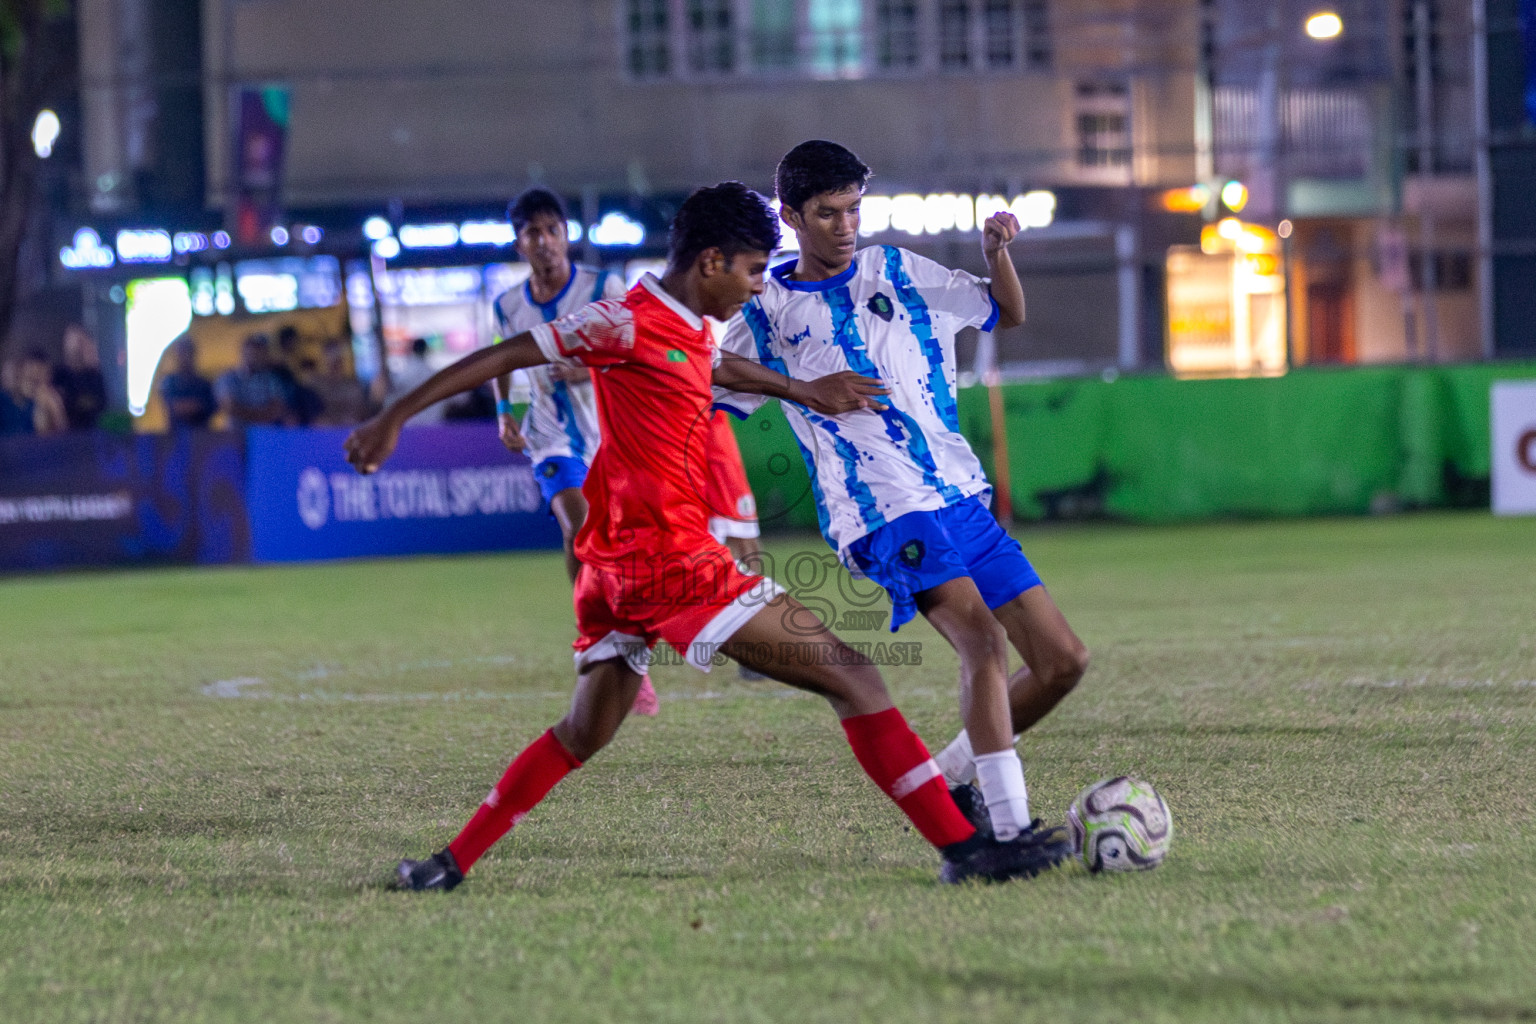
(955, 35)
(898, 43)
(649, 53)
(832, 38)
(1103, 127)
(1000, 23)
(1038, 52)
(836, 36)
(773, 35)
(711, 37)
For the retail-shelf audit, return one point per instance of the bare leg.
(787, 642)
(604, 694)
(957, 611)
(1054, 658)
(570, 509)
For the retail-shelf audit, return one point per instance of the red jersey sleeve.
(598, 334)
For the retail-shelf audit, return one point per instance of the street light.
(1325, 25)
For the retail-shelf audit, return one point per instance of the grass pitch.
(206, 776)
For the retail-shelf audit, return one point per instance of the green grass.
(1339, 713)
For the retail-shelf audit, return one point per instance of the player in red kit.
(651, 571)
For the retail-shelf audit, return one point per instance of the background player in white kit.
(559, 431)
(899, 493)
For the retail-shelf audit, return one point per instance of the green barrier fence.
(1156, 449)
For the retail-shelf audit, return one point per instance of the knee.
(983, 639)
(1066, 669)
(858, 689)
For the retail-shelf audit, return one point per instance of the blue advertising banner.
(101, 499)
(446, 489)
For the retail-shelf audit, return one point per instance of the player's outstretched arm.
(996, 233)
(835, 393)
(370, 444)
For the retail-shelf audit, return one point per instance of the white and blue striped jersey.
(892, 315)
(561, 418)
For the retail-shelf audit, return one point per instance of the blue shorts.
(557, 473)
(921, 550)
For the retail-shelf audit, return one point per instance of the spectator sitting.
(30, 404)
(303, 401)
(415, 371)
(342, 400)
(189, 400)
(253, 394)
(79, 381)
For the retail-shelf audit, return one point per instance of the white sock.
(1001, 777)
(957, 762)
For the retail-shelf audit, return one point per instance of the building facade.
(1115, 125)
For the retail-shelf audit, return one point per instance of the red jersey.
(652, 359)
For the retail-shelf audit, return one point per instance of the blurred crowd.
(266, 388)
(39, 396)
(274, 384)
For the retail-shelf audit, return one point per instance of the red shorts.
(732, 508)
(693, 602)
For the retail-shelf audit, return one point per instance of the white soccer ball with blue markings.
(1120, 824)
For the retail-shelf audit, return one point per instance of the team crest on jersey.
(676, 355)
(881, 307)
(912, 553)
(549, 470)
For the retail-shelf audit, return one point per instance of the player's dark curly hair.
(818, 166)
(531, 203)
(728, 216)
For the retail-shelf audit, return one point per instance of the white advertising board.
(1514, 448)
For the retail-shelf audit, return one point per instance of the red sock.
(896, 759)
(527, 781)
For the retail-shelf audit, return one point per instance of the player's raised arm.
(835, 393)
(370, 444)
(1000, 229)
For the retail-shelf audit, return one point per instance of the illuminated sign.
(486, 232)
(939, 213)
(143, 245)
(429, 236)
(268, 293)
(86, 252)
(158, 311)
(616, 228)
(189, 241)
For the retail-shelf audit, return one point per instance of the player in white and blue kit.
(559, 431)
(900, 495)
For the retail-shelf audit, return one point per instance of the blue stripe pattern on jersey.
(561, 394)
(757, 322)
(902, 429)
(922, 329)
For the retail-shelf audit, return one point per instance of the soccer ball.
(1120, 824)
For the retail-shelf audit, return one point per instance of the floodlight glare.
(1234, 196)
(45, 132)
(1325, 25)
